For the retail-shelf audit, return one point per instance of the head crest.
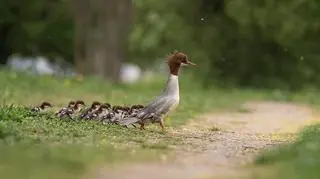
(175, 51)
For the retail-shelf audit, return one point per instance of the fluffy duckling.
(94, 106)
(118, 110)
(66, 111)
(109, 118)
(117, 114)
(41, 107)
(97, 113)
(79, 104)
(105, 111)
(125, 110)
(113, 116)
(135, 109)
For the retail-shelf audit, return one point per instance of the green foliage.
(298, 160)
(270, 44)
(159, 28)
(263, 44)
(39, 145)
(37, 27)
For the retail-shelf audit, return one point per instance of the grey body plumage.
(160, 107)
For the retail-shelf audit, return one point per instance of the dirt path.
(219, 145)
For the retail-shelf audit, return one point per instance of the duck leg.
(142, 126)
(162, 124)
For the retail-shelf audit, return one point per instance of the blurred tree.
(264, 44)
(102, 32)
(35, 27)
(246, 43)
(5, 50)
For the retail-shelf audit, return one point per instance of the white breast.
(172, 91)
(172, 87)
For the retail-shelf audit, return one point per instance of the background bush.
(262, 44)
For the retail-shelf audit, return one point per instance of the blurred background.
(238, 43)
(255, 50)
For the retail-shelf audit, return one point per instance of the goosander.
(167, 101)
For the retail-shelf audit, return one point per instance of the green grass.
(19, 88)
(39, 146)
(298, 160)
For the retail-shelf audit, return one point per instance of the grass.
(297, 160)
(39, 146)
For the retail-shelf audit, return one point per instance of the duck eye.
(184, 59)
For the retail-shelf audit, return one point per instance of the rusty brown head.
(176, 60)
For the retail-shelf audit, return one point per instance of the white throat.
(172, 86)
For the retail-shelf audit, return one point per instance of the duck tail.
(128, 121)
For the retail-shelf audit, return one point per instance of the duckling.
(79, 104)
(41, 107)
(115, 108)
(94, 106)
(117, 114)
(109, 118)
(97, 113)
(125, 111)
(106, 110)
(119, 110)
(66, 111)
(135, 109)
(114, 115)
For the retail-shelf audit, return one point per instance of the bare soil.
(222, 145)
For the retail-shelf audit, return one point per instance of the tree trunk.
(102, 32)
(82, 15)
